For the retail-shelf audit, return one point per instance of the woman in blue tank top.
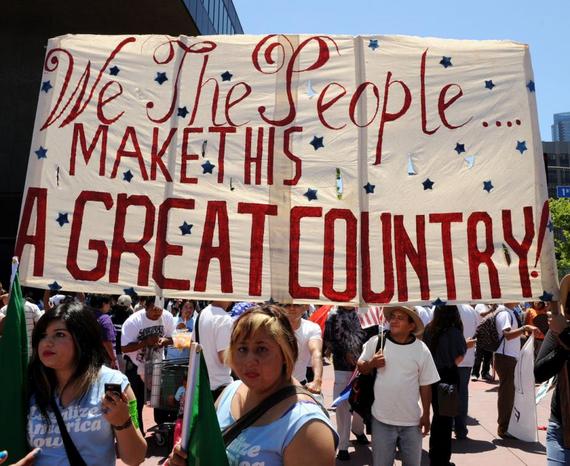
(68, 381)
(262, 352)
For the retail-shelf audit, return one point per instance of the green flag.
(13, 367)
(205, 444)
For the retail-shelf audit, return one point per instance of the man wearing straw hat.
(405, 373)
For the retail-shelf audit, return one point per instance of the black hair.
(99, 300)
(444, 318)
(89, 353)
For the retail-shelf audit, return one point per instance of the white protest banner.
(522, 424)
(364, 170)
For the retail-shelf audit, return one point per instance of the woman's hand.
(178, 456)
(27, 460)
(115, 408)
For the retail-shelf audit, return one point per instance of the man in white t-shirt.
(505, 362)
(470, 319)
(405, 371)
(310, 345)
(143, 338)
(213, 329)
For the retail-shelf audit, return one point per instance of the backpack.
(488, 339)
(362, 390)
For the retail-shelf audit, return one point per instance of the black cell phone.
(113, 387)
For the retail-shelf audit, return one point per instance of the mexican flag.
(201, 434)
(13, 367)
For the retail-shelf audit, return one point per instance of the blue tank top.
(264, 445)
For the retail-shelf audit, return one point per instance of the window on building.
(552, 192)
(552, 175)
(564, 160)
(565, 177)
(551, 159)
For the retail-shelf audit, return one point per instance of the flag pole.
(193, 371)
(382, 329)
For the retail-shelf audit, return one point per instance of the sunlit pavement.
(482, 447)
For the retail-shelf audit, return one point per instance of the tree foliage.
(560, 215)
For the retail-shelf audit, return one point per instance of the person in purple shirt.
(101, 305)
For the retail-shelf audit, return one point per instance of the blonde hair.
(274, 321)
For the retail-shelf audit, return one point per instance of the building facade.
(26, 26)
(557, 160)
(561, 127)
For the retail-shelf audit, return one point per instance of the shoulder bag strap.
(73, 455)
(231, 432)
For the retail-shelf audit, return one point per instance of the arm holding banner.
(510, 334)
(315, 347)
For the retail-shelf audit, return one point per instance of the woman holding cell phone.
(78, 408)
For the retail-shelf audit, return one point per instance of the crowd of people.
(88, 384)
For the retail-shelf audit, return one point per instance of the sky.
(543, 25)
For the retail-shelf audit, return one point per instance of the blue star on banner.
(226, 76)
(521, 146)
(459, 148)
(428, 184)
(369, 188)
(311, 194)
(114, 71)
(128, 176)
(545, 296)
(182, 111)
(530, 85)
(317, 143)
(62, 219)
(41, 153)
(487, 186)
(470, 161)
(439, 302)
(185, 228)
(550, 226)
(160, 77)
(445, 62)
(54, 286)
(373, 44)
(130, 291)
(207, 167)
(46, 86)
(489, 84)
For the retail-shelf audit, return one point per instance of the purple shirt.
(107, 327)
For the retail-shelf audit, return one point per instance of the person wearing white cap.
(405, 371)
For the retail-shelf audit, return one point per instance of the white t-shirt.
(397, 385)
(506, 320)
(138, 327)
(215, 328)
(306, 332)
(32, 314)
(481, 309)
(470, 318)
